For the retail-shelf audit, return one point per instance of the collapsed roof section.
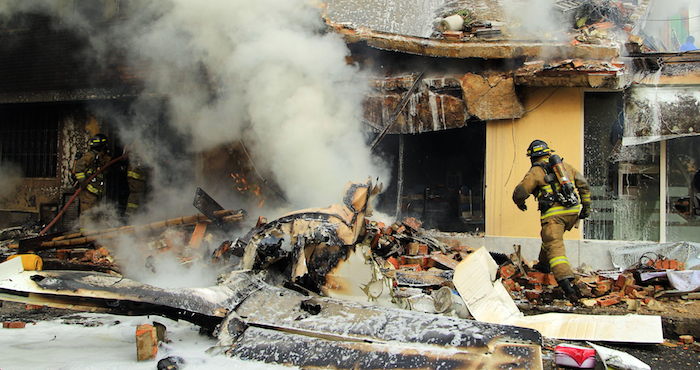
(451, 101)
(457, 87)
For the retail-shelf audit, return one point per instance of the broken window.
(624, 179)
(683, 189)
(29, 138)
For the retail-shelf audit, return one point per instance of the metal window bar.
(29, 138)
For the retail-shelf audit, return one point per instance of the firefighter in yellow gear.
(87, 165)
(136, 177)
(560, 208)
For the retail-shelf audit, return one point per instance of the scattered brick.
(422, 249)
(550, 279)
(146, 342)
(14, 324)
(537, 277)
(412, 223)
(624, 280)
(603, 287)
(633, 290)
(507, 271)
(687, 339)
(666, 264)
(608, 300)
(393, 261)
(412, 248)
(32, 307)
(532, 295)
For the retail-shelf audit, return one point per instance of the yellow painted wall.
(555, 115)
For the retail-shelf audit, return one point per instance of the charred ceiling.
(36, 66)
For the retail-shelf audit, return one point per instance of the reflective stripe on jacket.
(534, 184)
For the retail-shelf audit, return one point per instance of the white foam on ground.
(63, 344)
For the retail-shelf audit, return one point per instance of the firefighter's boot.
(570, 291)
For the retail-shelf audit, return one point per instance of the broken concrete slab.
(472, 49)
(491, 97)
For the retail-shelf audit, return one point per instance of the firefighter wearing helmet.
(563, 197)
(86, 166)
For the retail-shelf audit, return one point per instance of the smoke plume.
(534, 19)
(264, 72)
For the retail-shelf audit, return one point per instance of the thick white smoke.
(260, 70)
(534, 20)
(263, 71)
(273, 76)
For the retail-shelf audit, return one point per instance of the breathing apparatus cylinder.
(566, 194)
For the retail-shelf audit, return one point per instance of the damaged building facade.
(456, 110)
(620, 107)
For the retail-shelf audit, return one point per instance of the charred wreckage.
(321, 287)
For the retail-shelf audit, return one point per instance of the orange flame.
(242, 186)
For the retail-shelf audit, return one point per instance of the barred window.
(29, 138)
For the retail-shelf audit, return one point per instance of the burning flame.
(244, 187)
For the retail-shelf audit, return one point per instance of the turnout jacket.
(534, 183)
(87, 165)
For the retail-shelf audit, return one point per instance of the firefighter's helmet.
(538, 148)
(98, 142)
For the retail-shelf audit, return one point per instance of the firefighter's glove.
(585, 212)
(522, 207)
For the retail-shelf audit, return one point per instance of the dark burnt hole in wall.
(443, 178)
(29, 137)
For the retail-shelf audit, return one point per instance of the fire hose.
(72, 198)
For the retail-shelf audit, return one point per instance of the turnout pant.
(553, 252)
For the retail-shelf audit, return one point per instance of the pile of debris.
(279, 301)
(634, 288)
(90, 250)
(464, 25)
